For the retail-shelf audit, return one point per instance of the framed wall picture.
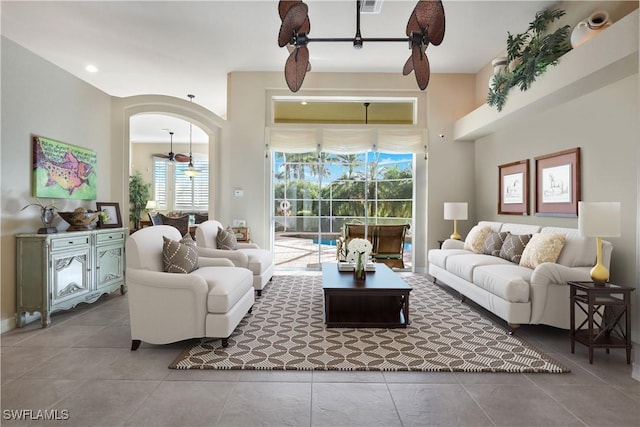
(63, 171)
(513, 188)
(558, 183)
(113, 215)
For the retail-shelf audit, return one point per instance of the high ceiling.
(179, 47)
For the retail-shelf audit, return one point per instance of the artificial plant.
(529, 54)
(139, 193)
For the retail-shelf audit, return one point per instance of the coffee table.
(381, 301)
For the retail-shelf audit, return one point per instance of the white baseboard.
(10, 323)
(635, 373)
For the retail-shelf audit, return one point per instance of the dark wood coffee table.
(381, 301)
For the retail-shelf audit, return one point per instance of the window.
(173, 190)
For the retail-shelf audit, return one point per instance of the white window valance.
(390, 139)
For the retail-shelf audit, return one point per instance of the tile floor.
(82, 364)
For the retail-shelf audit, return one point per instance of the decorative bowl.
(80, 219)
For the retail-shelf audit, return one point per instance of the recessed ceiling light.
(304, 103)
(91, 68)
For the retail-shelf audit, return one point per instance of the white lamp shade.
(455, 210)
(151, 204)
(599, 219)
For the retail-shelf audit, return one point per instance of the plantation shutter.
(192, 195)
(160, 182)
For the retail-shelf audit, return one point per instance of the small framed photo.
(558, 183)
(513, 188)
(113, 215)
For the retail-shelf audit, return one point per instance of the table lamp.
(151, 205)
(455, 211)
(599, 219)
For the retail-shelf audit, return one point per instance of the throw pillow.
(494, 242)
(542, 248)
(475, 239)
(513, 247)
(226, 239)
(179, 256)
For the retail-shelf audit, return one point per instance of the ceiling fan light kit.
(426, 25)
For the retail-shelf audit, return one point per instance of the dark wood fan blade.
(420, 67)
(161, 155)
(430, 17)
(284, 6)
(306, 26)
(413, 24)
(182, 158)
(292, 22)
(296, 68)
(408, 66)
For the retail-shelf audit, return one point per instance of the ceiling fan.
(173, 157)
(426, 25)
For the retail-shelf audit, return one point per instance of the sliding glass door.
(315, 194)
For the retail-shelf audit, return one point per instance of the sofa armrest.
(238, 258)
(215, 262)
(245, 245)
(553, 273)
(452, 244)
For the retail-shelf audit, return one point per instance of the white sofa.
(248, 255)
(168, 307)
(517, 294)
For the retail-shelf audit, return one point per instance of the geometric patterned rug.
(286, 331)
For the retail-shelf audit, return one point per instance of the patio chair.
(387, 241)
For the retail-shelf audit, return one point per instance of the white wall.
(39, 98)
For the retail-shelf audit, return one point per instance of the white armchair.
(248, 255)
(168, 307)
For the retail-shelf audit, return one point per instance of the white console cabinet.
(58, 271)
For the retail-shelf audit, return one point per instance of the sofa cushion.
(226, 239)
(179, 256)
(509, 282)
(493, 243)
(542, 248)
(475, 239)
(227, 285)
(463, 265)
(578, 251)
(439, 256)
(513, 247)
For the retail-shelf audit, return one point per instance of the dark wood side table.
(605, 306)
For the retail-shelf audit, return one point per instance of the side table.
(605, 305)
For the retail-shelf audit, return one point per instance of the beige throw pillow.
(179, 256)
(226, 239)
(542, 248)
(475, 239)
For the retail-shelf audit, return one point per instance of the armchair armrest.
(238, 258)
(214, 262)
(162, 280)
(453, 244)
(550, 272)
(245, 245)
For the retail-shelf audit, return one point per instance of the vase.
(359, 272)
(499, 66)
(589, 28)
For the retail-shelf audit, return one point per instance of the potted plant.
(528, 55)
(139, 193)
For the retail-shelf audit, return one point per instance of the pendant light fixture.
(191, 171)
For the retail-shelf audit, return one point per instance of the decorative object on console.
(592, 26)
(455, 211)
(191, 171)
(426, 26)
(111, 214)
(513, 188)
(359, 251)
(80, 219)
(558, 183)
(529, 54)
(47, 213)
(63, 171)
(599, 219)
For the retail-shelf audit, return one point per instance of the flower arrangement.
(358, 251)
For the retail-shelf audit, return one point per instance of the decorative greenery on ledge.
(528, 55)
